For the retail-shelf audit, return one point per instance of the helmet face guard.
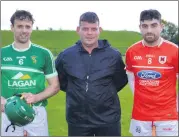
(18, 111)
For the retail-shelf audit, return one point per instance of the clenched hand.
(30, 98)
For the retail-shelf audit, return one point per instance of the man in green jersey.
(25, 67)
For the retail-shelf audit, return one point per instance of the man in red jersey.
(152, 68)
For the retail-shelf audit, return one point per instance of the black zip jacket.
(91, 82)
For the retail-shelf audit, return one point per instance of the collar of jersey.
(162, 40)
(21, 50)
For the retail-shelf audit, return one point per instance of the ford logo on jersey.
(149, 74)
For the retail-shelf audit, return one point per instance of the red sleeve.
(128, 61)
(176, 61)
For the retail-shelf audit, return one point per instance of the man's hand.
(3, 102)
(52, 89)
(30, 98)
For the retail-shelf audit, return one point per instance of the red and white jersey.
(154, 70)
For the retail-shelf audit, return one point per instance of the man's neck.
(21, 46)
(156, 43)
(90, 48)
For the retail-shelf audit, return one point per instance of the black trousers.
(111, 130)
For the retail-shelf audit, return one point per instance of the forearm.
(3, 100)
(51, 90)
(130, 77)
(48, 92)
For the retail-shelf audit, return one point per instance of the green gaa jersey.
(25, 71)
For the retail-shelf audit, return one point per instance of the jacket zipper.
(87, 77)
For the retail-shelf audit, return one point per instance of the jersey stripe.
(22, 69)
(152, 67)
(6, 47)
(51, 75)
(172, 44)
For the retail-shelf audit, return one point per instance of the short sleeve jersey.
(25, 71)
(154, 70)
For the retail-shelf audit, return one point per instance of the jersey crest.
(34, 59)
(162, 59)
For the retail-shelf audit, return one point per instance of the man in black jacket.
(91, 73)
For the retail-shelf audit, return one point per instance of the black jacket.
(91, 82)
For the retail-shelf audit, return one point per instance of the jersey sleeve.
(128, 61)
(175, 63)
(49, 68)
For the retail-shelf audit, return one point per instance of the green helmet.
(18, 111)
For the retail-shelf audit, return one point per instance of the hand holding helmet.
(18, 111)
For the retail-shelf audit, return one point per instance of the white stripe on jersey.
(160, 43)
(6, 47)
(21, 50)
(51, 75)
(152, 67)
(169, 42)
(22, 69)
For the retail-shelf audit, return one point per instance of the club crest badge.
(34, 60)
(162, 59)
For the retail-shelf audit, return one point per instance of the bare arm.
(3, 102)
(130, 76)
(52, 89)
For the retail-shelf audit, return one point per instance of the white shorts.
(163, 128)
(38, 127)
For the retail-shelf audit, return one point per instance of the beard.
(150, 38)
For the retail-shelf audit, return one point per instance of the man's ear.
(162, 26)
(77, 29)
(12, 28)
(100, 29)
(140, 27)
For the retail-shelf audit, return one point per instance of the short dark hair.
(90, 17)
(21, 15)
(150, 14)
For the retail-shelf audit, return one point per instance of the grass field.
(56, 41)
(56, 113)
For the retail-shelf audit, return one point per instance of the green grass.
(57, 120)
(56, 41)
(56, 112)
